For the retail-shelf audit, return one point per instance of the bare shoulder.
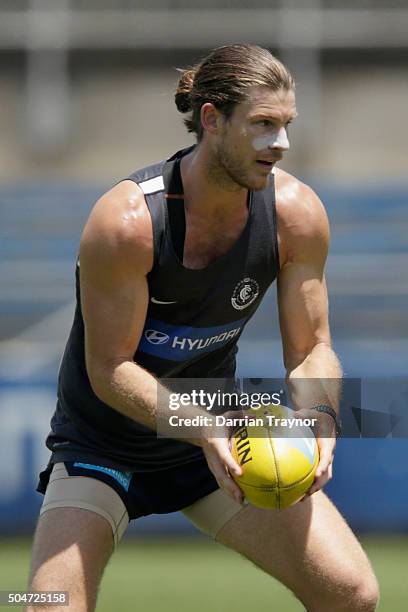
(303, 225)
(119, 228)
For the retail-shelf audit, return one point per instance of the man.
(173, 263)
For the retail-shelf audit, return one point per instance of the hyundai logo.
(156, 337)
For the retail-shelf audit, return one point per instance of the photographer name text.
(243, 421)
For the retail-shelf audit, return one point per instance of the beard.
(230, 172)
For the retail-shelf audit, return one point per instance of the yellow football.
(278, 457)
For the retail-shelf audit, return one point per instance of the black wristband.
(329, 410)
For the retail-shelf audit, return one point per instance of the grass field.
(196, 575)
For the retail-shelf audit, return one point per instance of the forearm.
(315, 378)
(137, 394)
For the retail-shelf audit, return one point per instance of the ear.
(210, 118)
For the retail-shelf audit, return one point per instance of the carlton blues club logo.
(245, 292)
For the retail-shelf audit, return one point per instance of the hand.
(324, 471)
(216, 449)
(325, 433)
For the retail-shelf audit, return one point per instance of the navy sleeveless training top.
(193, 323)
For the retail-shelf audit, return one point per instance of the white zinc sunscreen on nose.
(278, 138)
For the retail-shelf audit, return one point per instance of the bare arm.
(116, 254)
(313, 369)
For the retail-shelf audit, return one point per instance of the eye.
(265, 123)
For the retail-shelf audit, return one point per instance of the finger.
(229, 486)
(222, 452)
(316, 486)
(233, 467)
(320, 482)
(324, 462)
(325, 458)
(224, 480)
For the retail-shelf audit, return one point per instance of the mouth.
(268, 163)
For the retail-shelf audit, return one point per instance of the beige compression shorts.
(209, 514)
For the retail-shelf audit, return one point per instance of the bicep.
(115, 258)
(114, 310)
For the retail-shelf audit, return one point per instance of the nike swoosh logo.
(161, 302)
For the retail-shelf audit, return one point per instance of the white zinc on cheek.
(278, 138)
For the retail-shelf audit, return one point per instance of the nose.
(280, 140)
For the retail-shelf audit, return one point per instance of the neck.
(207, 188)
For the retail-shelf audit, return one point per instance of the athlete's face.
(255, 137)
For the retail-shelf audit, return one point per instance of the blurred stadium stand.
(85, 92)
(67, 62)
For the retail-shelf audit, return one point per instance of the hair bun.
(183, 92)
